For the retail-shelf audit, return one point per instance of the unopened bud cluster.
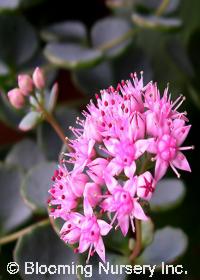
(26, 86)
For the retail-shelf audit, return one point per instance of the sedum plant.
(121, 149)
(101, 191)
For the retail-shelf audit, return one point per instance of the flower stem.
(14, 236)
(52, 121)
(112, 43)
(138, 244)
(162, 8)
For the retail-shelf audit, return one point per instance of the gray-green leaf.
(30, 121)
(25, 154)
(6, 5)
(154, 4)
(42, 245)
(168, 244)
(168, 194)
(13, 211)
(36, 184)
(73, 31)
(18, 40)
(155, 22)
(71, 55)
(109, 30)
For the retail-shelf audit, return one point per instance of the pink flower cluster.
(128, 138)
(26, 84)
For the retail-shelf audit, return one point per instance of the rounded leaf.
(73, 31)
(147, 232)
(13, 211)
(4, 70)
(155, 22)
(169, 243)
(25, 154)
(6, 5)
(168, 194)
(154, 4)
(30, 121)
(71, 55)
(43, 247)
(18, 40)
(108, 30)
(57, 224)
(115, 241)
(36, 184)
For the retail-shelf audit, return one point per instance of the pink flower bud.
(145, 185)
(16, 98)
(92, 192)
(78, 183)
(25, 84)
(38, 78)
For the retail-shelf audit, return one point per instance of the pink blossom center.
(167, 147)
(126, 152)
(123, 201)
(91, 229)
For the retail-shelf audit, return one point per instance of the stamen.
(176, 101)
(116, 226)
(132, 224)
(186, 148)
(89, 254)
(180, 103)
(175, 170)
(114, 218)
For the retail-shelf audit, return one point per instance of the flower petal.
(139, 212)
(100, 249)
(111, 145)
(95, 178)
(160, 168)
(130, 170)
(104, 227)
(141, 146)
(72, 237)
(114, 167)
(87, 208)
(181, 133)
(108, 204)
(110, 181)
(152, 146)
(124, 224)
(90, 146)
(181, 162)
(131, 186)
(83, 244)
